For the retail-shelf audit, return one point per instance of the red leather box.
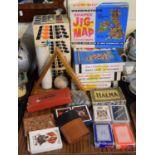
(49, 99)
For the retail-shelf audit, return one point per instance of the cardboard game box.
(97, 61)
(103, 136)
(97, 24)
(53, 30)
(96, 85)
(109, 96)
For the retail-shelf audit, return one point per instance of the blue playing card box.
(97, 61)
(103, 136)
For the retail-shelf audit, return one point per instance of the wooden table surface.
(84, 147)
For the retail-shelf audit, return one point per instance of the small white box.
(45, 140)
(101, 114)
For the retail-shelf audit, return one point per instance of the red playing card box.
(123, 136)
(49, 99)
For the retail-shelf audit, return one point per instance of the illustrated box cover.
(107, 60)
(96, 24)
(108, 96)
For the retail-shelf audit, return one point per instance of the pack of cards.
(123, 136)
(101, 114)
(82, 111)
(44, 140)
(103, 135)
(119, 114)
(60, 111)
(108, 96)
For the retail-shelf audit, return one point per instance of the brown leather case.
(74, 130)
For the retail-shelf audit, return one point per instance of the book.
(97, 61)
(98, 24)
(107, 96)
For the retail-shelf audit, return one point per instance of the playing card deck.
(84, 113)
(60, 111)
(123, 136)
(81, 110)
(101, 114)
(103, 136)
(119, 114)
(45, 140)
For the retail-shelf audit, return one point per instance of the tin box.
(119, 114)
(108, 96)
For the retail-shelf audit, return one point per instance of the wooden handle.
(44, 71)
(69, 70)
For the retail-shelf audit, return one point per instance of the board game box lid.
(97, 56)
(107, 94)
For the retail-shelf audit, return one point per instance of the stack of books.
(98, 68)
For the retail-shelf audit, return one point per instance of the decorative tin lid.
(108, 94)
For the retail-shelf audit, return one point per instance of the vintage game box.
(101, 114)
(103, 136)
(97, 24)
(99, 77)
(96, 85)
(50, 27)
(119, 114)
(53, 30)
(108, 96)
(45, 140)
(105, 60)
(123, 136)
(49, 99)
(38, 122)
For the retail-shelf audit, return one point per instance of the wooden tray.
(84, 147)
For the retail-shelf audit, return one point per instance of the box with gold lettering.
(108, 96)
